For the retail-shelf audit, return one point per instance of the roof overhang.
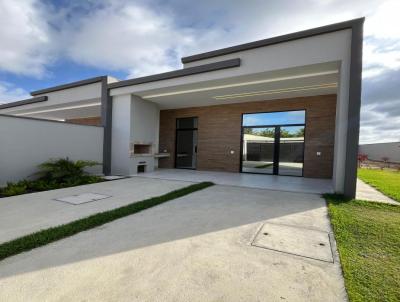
(24, 102)
(350, 24)
(318, 79)
(69, 85)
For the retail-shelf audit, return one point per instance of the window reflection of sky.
(274, 118)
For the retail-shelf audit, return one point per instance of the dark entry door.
(186, 143)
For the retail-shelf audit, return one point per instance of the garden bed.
(54, 174)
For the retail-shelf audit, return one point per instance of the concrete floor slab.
(294, 240)
(261, 181)
(28, 213)
(194, 248)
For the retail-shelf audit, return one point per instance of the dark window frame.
(276, 142)
(176, 140)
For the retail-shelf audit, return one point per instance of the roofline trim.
(178, 73)
(24, 102)
(45, 120)
(275, 40)
(69, 85)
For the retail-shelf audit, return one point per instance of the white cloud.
(384, 20)
(382, 34)
(9, 93)
(125, 37)
(149, 36)
(24, 37)
(378, 126)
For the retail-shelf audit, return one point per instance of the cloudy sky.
(45, 43)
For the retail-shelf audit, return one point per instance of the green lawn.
(368, 239)
(387, 182)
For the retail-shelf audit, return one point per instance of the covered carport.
(321, 66)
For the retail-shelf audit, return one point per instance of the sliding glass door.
(258, 150)
(273, 143)
(291, 150)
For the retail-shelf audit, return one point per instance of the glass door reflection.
(258, 150)
(291, 150)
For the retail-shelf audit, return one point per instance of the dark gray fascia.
(178, 73)
(106, 122)
(24, 102)
(275, 40)
(353, 118)
(69, 85)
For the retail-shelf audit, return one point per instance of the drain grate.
(294, 240)
(82, 198)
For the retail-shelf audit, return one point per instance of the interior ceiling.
(310, 80)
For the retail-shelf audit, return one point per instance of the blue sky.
(274, 118)
(45, 43)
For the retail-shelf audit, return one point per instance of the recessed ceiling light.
(276, 91)
(270, 80)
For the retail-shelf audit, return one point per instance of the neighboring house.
(381, 151)
(195, 117)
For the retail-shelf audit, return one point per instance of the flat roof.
(24, 102)
(197, 69)
(275, 40)
(69, 85)
(178, 73)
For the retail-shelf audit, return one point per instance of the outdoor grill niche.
(142, 157)
(142, 149)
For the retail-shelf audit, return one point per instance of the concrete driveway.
(223, 243)
(28, 213)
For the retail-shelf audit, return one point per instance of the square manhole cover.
(82, 198)
(294, 240)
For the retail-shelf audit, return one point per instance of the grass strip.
(385, 181)
(46, 236)
(368, 241)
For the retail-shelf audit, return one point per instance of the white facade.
(310, 63)
(26, 143)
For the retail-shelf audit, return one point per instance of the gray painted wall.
(25, 143)
(377, 151)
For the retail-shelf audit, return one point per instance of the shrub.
(64, 171)
(17, 188)
(361, 159)
(54, 174)
(43, 185)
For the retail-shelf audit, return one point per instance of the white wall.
(120, 134)
(134, 120)
(331, 47)
(144, 129)
(25, 143)
(377, 151)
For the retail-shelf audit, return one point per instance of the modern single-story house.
(289, 105)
